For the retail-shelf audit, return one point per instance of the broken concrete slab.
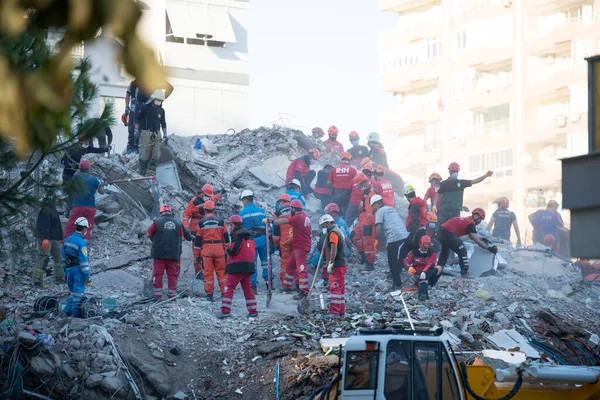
(167, 174)
(272, 172)
(511, 339)
(271, 347)
(546, 267)
(482, 262)
(208, 146)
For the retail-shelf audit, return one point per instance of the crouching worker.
(75, 261)
(421, 265)
(239, 268)
(335, 250)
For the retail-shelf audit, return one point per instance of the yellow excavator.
(400, 364)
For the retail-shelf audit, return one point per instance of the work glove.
(519, 243)
(265, 220)
(377, 245)
(88, 282)
(330, 268)
(412, 271)
(45, 244)
(434, 209)
(166, 138)
(493, 249)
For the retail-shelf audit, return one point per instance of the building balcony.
(408, 119)
(474, 58)
(559, 80)
(551, 6)
(402, 5)
(410, 77)
(556, 131)
(481, 99)
(481, 11)
(561, 35)
(492, 136)
(539, 174)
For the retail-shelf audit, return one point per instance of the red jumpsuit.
(364, 231)
(282, 238)
(385, 190)
(333, 149)
(430, 196)
(341, 179)
(239, 270)
(298, 165)
(337, 284)
(301, 242)
(212, 237)
(191, 215)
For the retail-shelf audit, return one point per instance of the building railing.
(494, 128)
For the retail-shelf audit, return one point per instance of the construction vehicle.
(400, 364)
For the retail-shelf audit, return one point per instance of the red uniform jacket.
(430, 195)
(212, 234)
(194, 211)
(241, 253)
(417, 215)
(460, 226)
(421, 261)
(385, 190)
(333, 148)
(341, 176)
(298, 165)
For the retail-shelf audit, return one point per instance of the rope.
(509, 395)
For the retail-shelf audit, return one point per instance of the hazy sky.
(318, 61)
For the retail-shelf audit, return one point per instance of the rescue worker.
(194, 211)
(340, 180)
(148, 123)
(282, 234)
(317, 132)
(333, 149)
(166, 233)
(301, 241)
(502, 220)
(377, 153)
(453, 190)
(49, 231)
(84, 202)
(364, 231)
(357, 151)
(335, 250)
(389, 227)
(333, 210)
(253, 217)
(240, 267)
(300, 169)
(322, 191)
(421, 265)
(450, 233)
(547, 222)
(295, 191)
(431, 230)
(76, 264)
(434, 181)
(416, 221)
(384, 187)
(356, 195)
(212, 238)
(105, 141)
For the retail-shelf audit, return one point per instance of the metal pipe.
(145, 178)
(552, 373)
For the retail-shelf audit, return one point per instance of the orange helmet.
(364, 161)
(284, 197)
(207, 189)
(454, 167)
(315, 153)
(380, 169)
(333, 130)
(353, 135)
(318, 132)
(346, 156)
(431, 217)
(165, 208)
(502, 202)
(480, 212)
(209, 205)
(368, 167)
(359, 178)
(433, 176)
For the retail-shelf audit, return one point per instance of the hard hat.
(332, 207)
(82, 221)
(346, 156)
(209, 205)
(408, 189)
(207, 189)
(380, 169)
(235, 219)
(502, 202)
(375, 199)
(165, 208)
(359, 178)
(431, 217)
(284, 197)
(365, 161)
(424, 243)
(125, 119)
(368, 167)
(315, 153)
(158, 94)
(433, 176)
(480, 212)
(454, 167)
(295, 182)
(552, 203)
(246, 193)
(353, 135)
(318, 132)
(325, 218)
(373, 137)
(333, 130)
(549, 240)
(85, 164)
(296, 204)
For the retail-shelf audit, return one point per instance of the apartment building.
(203, 45)
(491, 84)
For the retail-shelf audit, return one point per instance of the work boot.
(363, 258)
(286, 291)
(143, 165)
(254, 290)
(299, 296)
(223, 315)
(252, 315)
(369, 268)
(466, 275)
(210, 298)
(423, 287)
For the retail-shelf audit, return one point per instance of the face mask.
(422, 251)
(293, 212)
(431, 225)
(454, 175)
(157, 103)
(332, 138)
(312, 161)
(324, 230)
(354, 142)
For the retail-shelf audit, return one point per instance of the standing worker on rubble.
(166, 233)
(84, 203)
(416, 221)
(253, 217)
(364, 231)
(212, 238)
(340, 180)
(356, 195)
(357, 151)
(335, 253)
(282, 234)
(434, 181)
(389, 227)
(547, 222)
(317, 132)
(240, 267)
(148, 123)
(300, 169)
(421, 265)
(322, 191)
(502, 220)
(301, 241)
(295, 191)
(76, 264)
(453, 190)
(50, 233)
(384, 187)
(333, 149)
(450, 233)
(376, 153)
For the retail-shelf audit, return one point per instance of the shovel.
(269, 281)
(304, 303)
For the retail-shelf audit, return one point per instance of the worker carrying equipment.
(337, 265)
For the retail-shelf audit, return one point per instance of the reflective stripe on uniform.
(73, 245)
(257, 214)
(227, 300)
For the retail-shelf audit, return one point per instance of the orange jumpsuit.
(191, 216)
(212, 238)
(364, 231)
(282, 238)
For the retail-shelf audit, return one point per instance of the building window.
(493, 121)
(501, 162)
(460, 40)
(434, 48)
(433, 136)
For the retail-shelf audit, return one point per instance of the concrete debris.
(512, 340)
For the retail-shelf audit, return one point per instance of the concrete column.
(519, 116)
(446, 82)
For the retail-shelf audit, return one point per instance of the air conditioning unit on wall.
(506, 3)
(575, 117)
(561, 121)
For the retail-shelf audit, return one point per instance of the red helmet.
(480, 212)
(425, 243)
(209, 205)
(284, 197)
(85, 164)
(365, 161)
(549, 240)
(431, 217)
(359, 178)
(318, 132)
(353, 135)
(380, 169)
(235, 219)
(207, 189)
(296, 204)
(125, 119)
(346, 156)
(315, 153)
(454, 167)
(435, 175)
(368, 167)
(333, 130)
(331, 207)
(165, 208)
(502, 202)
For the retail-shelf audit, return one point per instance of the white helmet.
(325, 218)
(373, 137)
(375, 199)
(295, 182)
(82, 221)
(158, 94)
(246, 193)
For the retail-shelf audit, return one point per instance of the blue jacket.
(75, 248)
(343, 226)
(296, 196)
(253, 216)
(87, 198)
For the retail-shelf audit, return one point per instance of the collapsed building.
(529, 301)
